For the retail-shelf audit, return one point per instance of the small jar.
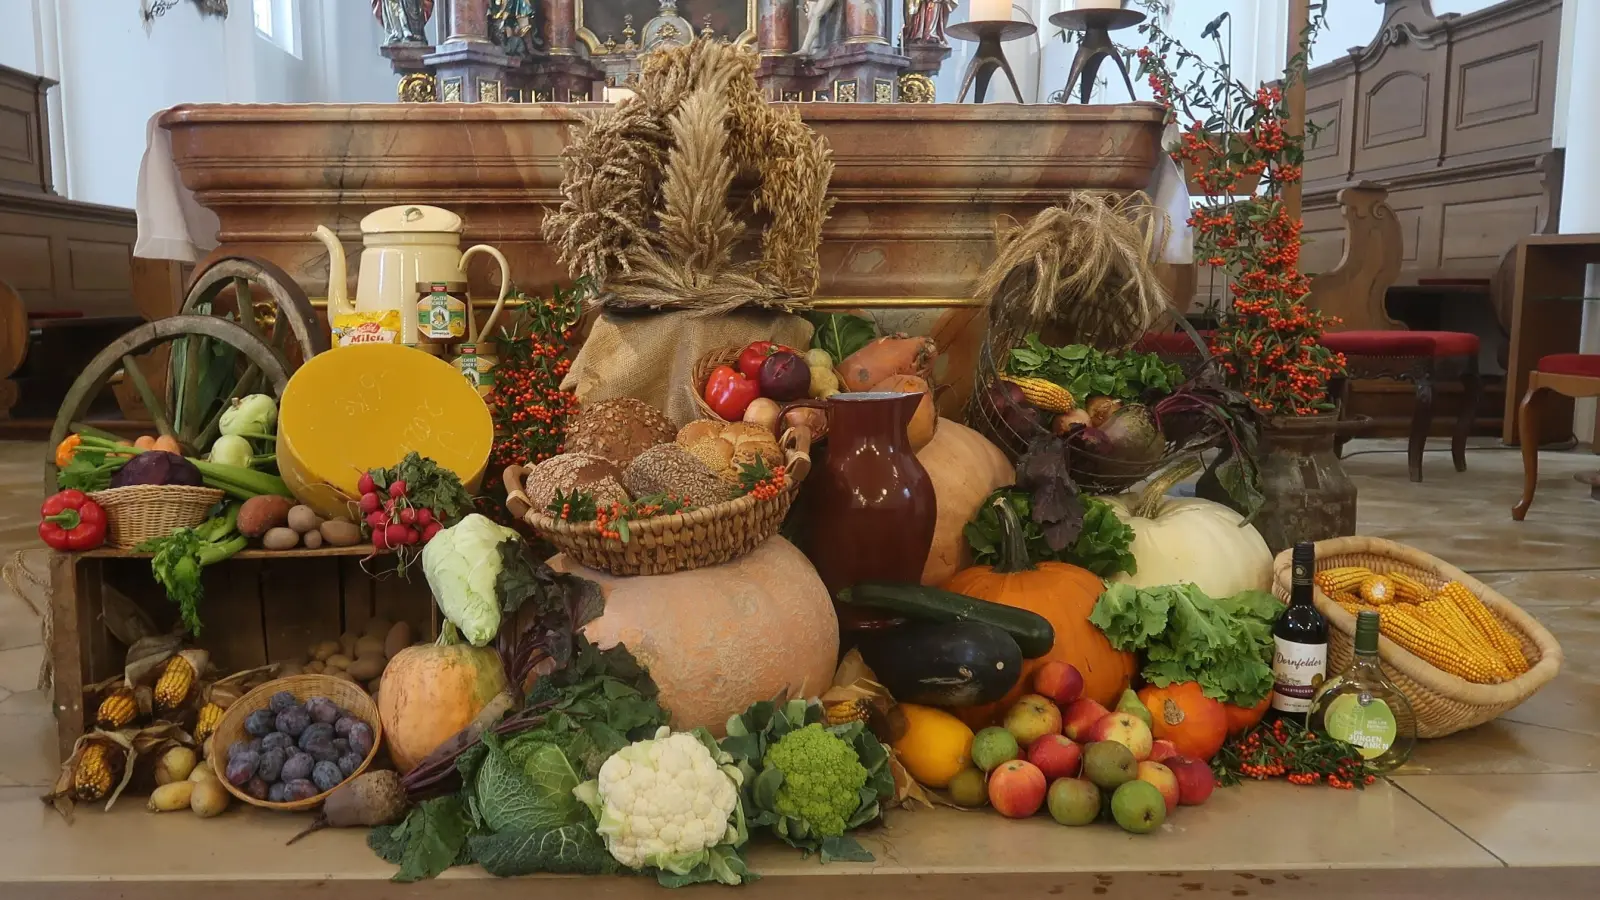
(476, 367)
(442, 311)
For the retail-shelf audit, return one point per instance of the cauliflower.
(822, 779)
(672, 804)
(462, 563)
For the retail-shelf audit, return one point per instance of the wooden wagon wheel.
(263, 366)
(289, 312)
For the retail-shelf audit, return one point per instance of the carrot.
(896, 354)
(145, 442)
(169, 444)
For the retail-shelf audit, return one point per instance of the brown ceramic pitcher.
(872, 502)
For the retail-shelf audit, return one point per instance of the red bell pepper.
(751, 357)
(728, 393)
(71, 522)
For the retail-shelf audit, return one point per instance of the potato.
(369, 645)
(342, 675)
(202, 771)
(280, 539)
(340, 533)
(292, 667)
(311, 540)
(377, 627)
(367, 667)
(338, 661)
(321, 652)
(347, 643)
(209, 798)
(398, 638)
(171, 796)
(261, 514)
(372, 687)
(174, 765)
(303, 519)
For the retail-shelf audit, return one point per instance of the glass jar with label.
(476, 367)
(442, 311)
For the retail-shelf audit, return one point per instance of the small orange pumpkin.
(1065, 595)
(1243, 718)
(430, 692)
(1184, 715)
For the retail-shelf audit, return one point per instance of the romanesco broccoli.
(822, 779)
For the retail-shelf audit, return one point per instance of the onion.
(763, 411)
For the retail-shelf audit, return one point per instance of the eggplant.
(947, 664)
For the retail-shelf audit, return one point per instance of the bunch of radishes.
(394, 520)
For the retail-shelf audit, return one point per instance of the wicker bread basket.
(346, 695)
(1444, 703)
(729, 356)
(137, 513)
(707, 536)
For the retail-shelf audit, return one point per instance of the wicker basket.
(702, 537)
(701, 373)
(1444, 704)
(140, 512)
(348, 696)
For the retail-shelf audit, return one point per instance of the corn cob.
(842, 712)
(177, 679)
(1377, 590)
(97, 769)
(1341, 579)
(1408, 589)
(116, 710)
(1456, 624)
(1045, 394)
(1407, 626)
(1503, 641)
(206, 724)
(1350, 603)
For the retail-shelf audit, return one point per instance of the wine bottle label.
(1369, 726)
(1297, 671)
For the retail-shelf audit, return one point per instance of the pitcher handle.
(473, 332)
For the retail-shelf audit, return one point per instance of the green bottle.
(1362, 707)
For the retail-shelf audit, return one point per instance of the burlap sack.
(650, 356)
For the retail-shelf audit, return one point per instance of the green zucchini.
(1033, 632)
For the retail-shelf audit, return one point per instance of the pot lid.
(411, 218)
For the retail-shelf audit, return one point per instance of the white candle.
(1097, 4)
(618, 94)
(991, 10)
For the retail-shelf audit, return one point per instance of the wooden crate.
(260, 606)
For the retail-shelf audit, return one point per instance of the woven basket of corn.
(1462, 653)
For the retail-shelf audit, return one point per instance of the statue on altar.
(925, 21)
(514, 27)
(817, 13)
(403, 20)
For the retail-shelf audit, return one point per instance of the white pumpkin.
(1186, 539)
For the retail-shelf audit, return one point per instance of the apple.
(1162, 750)
(1081, 715)
(1109, 765)
(1138, 807)
(1195, 779)
(1127, 730)
(993, 746)
(1163, 779)
(1031, 718)
(1016, 789)
(1073, 801)
(967, 789)
(1056, 756)
(1061, 682)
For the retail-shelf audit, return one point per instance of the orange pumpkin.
(1063, 594)
(432, 691)
(720, 638)
(1184, 715)
(1243, 718)
(965, 468)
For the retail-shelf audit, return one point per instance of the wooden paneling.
(24, 147)
(64, 256)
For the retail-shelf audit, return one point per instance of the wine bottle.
(1300, 642)
(1362, 707)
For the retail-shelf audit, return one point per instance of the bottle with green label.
(1362, 707)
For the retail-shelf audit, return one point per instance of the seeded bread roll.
(618, 430)
(571, 472)
(671, 469)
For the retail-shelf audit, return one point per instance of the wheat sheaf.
(646, 210)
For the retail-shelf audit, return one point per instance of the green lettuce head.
(462, 563)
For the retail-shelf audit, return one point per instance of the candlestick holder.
(988, 35)
(1095, 45)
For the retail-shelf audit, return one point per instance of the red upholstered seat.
(1585, 364)
(1402, 343)
(1172, 343)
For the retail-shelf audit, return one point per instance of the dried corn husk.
(854, 683)
(129, 745)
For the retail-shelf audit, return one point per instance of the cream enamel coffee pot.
(402, 246)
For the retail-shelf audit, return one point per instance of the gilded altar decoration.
(646, 212)
(925, 21)
(845, 92)
(418, 87)
(155, 9)
(916, 87)
(514, 27)
(403, 21)
(882, 91)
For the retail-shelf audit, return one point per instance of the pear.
(1132, 705)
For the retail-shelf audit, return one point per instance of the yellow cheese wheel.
(366, 406)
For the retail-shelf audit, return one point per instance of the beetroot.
(784, 377)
